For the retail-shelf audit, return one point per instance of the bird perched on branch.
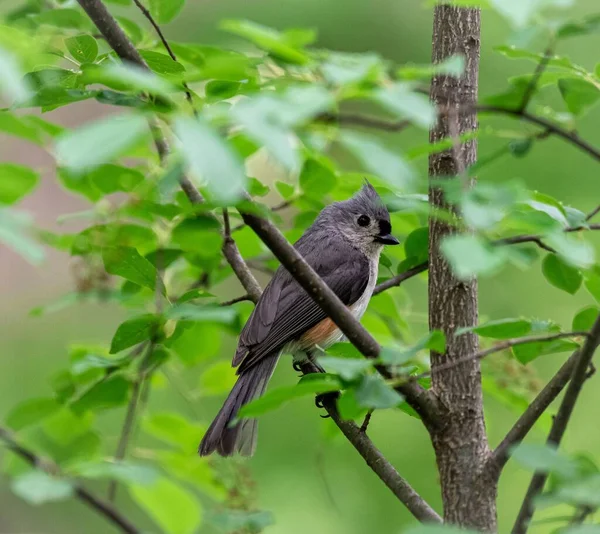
(343, 247)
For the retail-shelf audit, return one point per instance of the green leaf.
(530, 351)
(281, 46)
(22, 127)
(572, 250)
(14, 228)
(123, 471)
(470, 255)
(285, 190)
(103, 395)
(219, 378)
(123, 77)
(344, 69)
(83, 48)
(346, 368)
(592, 281)
(278, 396)
(374, 393)
(174, 429)
(199, 235)
(109, 178)
(582, 529)
(561, 275)
(316, 178)
(587, 25)
(12, 83)
(164, 11)
(388, 165)
(38, 487)
(208, 314)
(521, 13)
(585, 318)
(30, 412)
(174, 509)
(16, 182)
(161, 63)
(500, 328)
(544, 458)
(129, 264)
(401, 100)
(579, 95)
(242, 521)
(100, 141)
(416, 245)
(134, 331)
(452, 66)
(269, 119)
(211, 159)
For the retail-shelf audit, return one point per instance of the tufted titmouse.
(343, 246)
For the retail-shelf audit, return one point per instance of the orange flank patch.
(319, 333)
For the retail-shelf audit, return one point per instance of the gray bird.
(343, 246)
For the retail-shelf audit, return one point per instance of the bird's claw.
(296, 366)
(319, 404)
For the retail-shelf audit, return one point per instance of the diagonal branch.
(376, 460)
(148, 15)
(539, 70)
(239, 266)
(102, 507)
(561, 420)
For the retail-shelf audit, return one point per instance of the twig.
(398, 279)
(503, 345)
(276, 208)
(537, 239)
(241, 298)
(234, 258)
(366, 421)
(130, 416)
(539, 70)
(593, 213)
(103, 508)
(148, 15)
(377, 461)
(561, 420)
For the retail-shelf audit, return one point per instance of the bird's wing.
(285, 310)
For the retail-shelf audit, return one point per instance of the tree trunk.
(468, 493)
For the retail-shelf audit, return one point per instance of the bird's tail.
(241, 437)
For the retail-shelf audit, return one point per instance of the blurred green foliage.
(149, 273)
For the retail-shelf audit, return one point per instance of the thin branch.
(398, 279)
(376, 460)
(539, 70)
(322, 294)
(102, 507)
(241, 298)
(559, 426)
(366, 421)
(593, 213)
(503, 345)
(278, 207)
(148, 15)
(234, 258)
(130, 415)
(548, 126)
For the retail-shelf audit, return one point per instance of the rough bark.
(468, 491)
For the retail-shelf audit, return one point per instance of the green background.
(310, 482)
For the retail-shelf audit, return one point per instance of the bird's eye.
(363, 220)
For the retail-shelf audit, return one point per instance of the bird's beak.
(388, 239)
